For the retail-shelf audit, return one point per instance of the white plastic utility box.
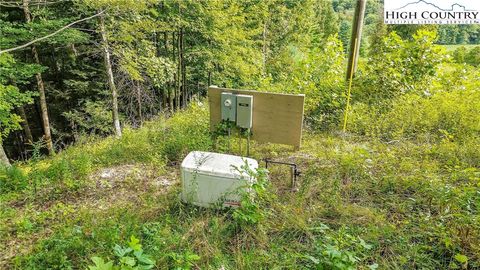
(212, 178)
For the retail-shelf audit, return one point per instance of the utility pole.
(353, 54)
(356, 38)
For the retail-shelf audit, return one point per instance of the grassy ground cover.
(362, 203)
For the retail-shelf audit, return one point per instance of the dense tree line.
(83, 67)
(135, 59)
(459, 34)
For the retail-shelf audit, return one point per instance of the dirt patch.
(108, 186)
(115, 176)
(105, 188)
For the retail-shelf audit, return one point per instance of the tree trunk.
(179, 64)
(264, 49)
(165, 91)
(209, 78)
(139, 102)
(74, 50)
(111, 82)
(171, 92)
(25, 125)
(41, 89)
(179, 68)
(198, 91)
(186, 94)
(3, 156)
(155, 43)
(184, 77)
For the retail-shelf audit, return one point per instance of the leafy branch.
(51, 34)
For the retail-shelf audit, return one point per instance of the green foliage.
(326, 101)
(462, 259)
(100, 264)
(473, 57)
(10, 97)
(340, 252)
(414, 199)
(12, 179)
(459, 54)
(444, 115)
(458, 34)
(399, 67)
(14, 72)
(233, 58)
(117, 6)
(319, 74)
(186, 133)
(328, 20)
(405, 196)
(469, 56)
(93, 118)
(184, 261)
(255, 198)
(161, 140)
(127, 258)
(344, 33)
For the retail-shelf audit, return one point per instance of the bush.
(473, 57)
(12, 179)
(93, 118)
(399, 67)
(254, 201)
(468, 56)
(187, 131)
(444, 115)
(459, 54)
(320, 75)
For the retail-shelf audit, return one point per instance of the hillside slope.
(361, 203)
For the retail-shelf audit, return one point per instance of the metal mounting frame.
(295, 172)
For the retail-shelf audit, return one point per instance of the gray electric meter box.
(210, 179)
(229, 106)
(244, 111)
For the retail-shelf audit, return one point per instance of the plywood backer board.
(277, 118)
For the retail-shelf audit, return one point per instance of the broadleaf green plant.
(128, 258)
(253, 198)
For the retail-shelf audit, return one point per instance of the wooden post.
(356, 36)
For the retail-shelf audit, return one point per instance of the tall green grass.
(157, 142)
(364, 202)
